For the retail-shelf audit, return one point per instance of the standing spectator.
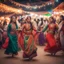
(1, 32)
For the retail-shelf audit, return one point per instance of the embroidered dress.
(12, 46)
(51, 46)
(27, 42)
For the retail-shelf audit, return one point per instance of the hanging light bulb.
(57, 0)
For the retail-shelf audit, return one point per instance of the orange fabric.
(30, 40)
(29, 43)
(35, 34)
(21, 40)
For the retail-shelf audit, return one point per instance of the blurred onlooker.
(1, 32)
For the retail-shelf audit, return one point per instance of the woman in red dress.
(53, 45)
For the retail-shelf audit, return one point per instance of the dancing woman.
(61, 32)
(52, 44)
(27, 40)
(12, 44)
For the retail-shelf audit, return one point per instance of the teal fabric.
(13, 44)
(45, 28)
(25, 41)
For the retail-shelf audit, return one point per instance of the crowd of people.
(25, 33)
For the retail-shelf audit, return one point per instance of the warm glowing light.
(56, 0)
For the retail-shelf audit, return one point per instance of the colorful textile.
(28, 45)
(51, 46)
(12, 44)
(41, 39)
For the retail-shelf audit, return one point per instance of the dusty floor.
(42, 58)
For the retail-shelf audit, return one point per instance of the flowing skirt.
(41, 39)
(12, 45)
(28, 45)
(51, 46)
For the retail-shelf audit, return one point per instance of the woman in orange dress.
(26, 40)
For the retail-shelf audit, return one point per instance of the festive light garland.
(32, 7)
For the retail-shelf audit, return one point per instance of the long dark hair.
(41, 21)
(53, 20)
(37, 21)
(28, 17)
(30, 22)
(62, 17)
(12, 20)
(5, 23)
(31, 25)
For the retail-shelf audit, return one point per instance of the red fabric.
(21, 40)
(51, 40)
(51, 44)
(5, 34)
(35, 34)
(62, 29)
(52, 26)
(5, 45)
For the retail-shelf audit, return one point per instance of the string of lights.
(36, 7)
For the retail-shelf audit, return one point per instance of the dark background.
(37, 0)
(31, 0)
